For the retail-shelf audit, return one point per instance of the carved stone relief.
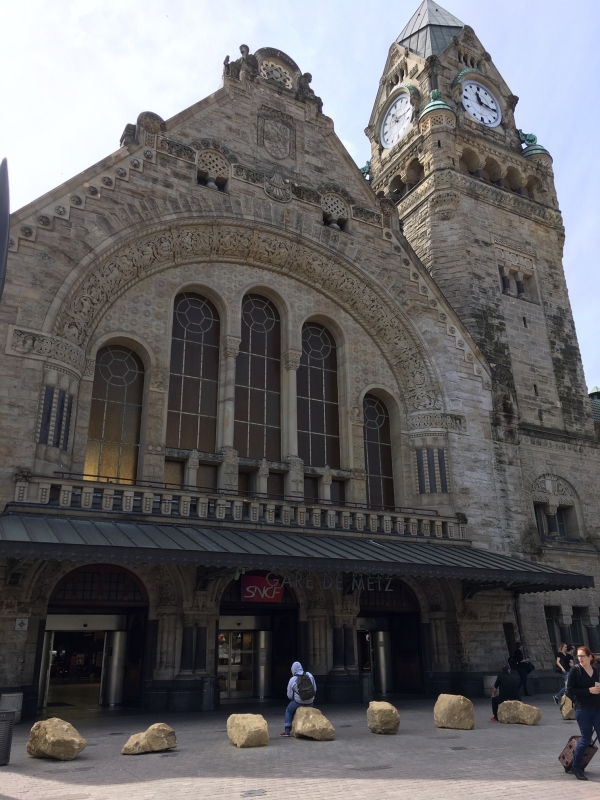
(276, 132)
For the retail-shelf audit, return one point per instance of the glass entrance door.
(236, 660)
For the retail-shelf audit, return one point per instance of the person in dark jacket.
(505, 688)
(564, 662)
(583, 686)
(520, 664)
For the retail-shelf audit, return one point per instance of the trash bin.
(12, 701)
(7, 719)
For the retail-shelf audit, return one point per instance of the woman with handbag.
(583, 689)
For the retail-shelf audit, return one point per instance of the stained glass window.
(257, 432)
(378, 453)
(115, 416)
(194, 381)
(318, 417)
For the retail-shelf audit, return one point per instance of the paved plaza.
(492, 761)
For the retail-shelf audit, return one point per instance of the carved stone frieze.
(306, 195)
(193, 242)
(449, 179)
(455, 423)
(366, 215)
(23, 342)
(552, 489)
(177, 149)
(444, 204)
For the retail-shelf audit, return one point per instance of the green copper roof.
(430, 30)
(535, 150)
(435, 104)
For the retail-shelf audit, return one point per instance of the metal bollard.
(7, 719)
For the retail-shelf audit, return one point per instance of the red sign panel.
(256, 589)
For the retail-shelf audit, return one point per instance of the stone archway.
(84, 302)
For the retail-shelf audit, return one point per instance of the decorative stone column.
(317, 641)
(186, 667)
(565, 618)
(550, 512)
(350, 648)
(200, 655)
(228, 472)
(338, 649)
(151, 465)
(358, 484)
(294, 479)
(165, 645)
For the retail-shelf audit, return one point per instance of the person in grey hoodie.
(294, 696)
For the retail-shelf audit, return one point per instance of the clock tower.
(477, 202)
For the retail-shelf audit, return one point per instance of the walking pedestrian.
(505, 688)
(563, 665)
(521, 664)
(583, 687)
(301, 691)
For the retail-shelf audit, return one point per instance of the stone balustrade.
(227, 507)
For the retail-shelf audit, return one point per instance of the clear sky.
(74, 72)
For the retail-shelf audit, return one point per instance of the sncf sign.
(257, 589)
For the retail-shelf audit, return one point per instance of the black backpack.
(304, 687)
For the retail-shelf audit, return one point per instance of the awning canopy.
(64, 538)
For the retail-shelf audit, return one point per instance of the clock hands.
(482, 104)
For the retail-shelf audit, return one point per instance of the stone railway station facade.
(259, 405)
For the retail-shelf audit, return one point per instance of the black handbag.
(529, 667)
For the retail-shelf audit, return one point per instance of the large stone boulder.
(566, 708)
(454, 711)
(514, 712)
(382, 718)
(155, 739)
(309, 723)
(248, 730)
(55, 738)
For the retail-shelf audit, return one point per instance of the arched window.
(115, 416)
(194, 381)
(318, 417)
(378, 453)
(257, 432)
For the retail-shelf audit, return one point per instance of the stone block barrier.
(454, 711)
(248, 730)
(383, 718)
(156, 739)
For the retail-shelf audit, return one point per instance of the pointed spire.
(430, 30)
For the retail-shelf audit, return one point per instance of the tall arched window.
(115, 416)
(194, 381)
(257, 432)
(378, 453)
(318, 417)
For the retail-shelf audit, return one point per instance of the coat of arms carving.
(277, 134)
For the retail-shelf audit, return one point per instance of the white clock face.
(481, 104)
(396, 121)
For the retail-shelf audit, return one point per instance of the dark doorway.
(280, 618)
(93, 592)
(393, 607)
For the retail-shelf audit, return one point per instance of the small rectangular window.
(442, 466)
(338, 491)
(173, 476)
(535, 390)
(46, 414)
(275, 485)
(431, 470)
(206, 477)
(311, 489)
(561, 522)
(541, 520)
(420, 470)
(524, 322)
(60, 407)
